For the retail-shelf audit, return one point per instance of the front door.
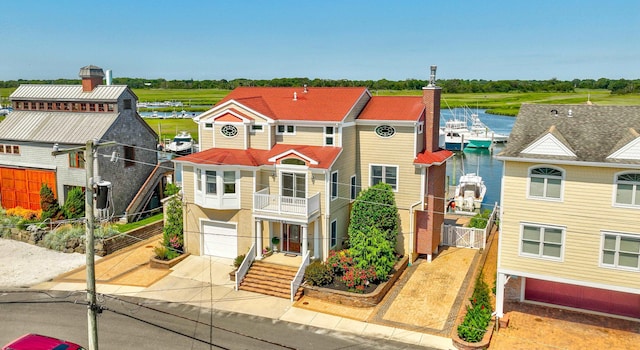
(291, 238)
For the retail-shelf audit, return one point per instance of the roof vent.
(305, 88)
(432, 77)
(554, 112)
(570, 114)
(295, 96)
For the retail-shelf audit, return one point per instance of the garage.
(21, 187)
(220, 239)
(594, 299)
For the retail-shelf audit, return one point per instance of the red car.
(40, 342)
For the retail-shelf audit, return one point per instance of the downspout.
(327, 215)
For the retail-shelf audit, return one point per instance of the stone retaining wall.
(102, 247)
(355, 299)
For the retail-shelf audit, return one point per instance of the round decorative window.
(385, 130)
(229, 130)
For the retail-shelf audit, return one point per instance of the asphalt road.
(130, 323)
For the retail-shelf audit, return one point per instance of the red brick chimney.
(431, 99)
(91, 77)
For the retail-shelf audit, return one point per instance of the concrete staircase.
(270, 279)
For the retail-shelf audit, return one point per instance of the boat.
(181, 144)
(469, 131)
(469, 194)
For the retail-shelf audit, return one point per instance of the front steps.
(270, 279)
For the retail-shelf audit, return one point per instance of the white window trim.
(285, 132)
(264, 126)
(335, 183)
(383, 172)
(334, 223)
(615, 266)
(326, 136)
(293, 169)
(540, 256)
(614, 196)
(550, 199)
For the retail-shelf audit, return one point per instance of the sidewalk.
(204, 282)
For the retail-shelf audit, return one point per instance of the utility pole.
(92, 308)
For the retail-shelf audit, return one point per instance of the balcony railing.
(265, 202)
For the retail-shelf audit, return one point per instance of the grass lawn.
(168, 128)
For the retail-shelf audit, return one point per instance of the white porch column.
(259, 239)
(305, 240)
(317, 254)
(501, 280)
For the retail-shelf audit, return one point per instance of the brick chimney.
(431, 99)
(91, 77)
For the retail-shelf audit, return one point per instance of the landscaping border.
(356, 299)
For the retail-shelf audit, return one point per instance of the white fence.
(468, 237)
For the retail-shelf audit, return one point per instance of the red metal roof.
(408, 108)
(429, 158)
(317, 104)
(324, 156)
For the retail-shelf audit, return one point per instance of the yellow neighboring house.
(287, 162)
(570, 209)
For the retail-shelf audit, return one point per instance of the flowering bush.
(357, 279)
(340, 261)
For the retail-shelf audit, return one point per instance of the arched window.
(628, 189)
(545, 182)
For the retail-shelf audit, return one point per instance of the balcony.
(266, 203)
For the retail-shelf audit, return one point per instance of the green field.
(198, 100)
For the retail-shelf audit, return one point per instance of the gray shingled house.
(68, 116)
(570, 209)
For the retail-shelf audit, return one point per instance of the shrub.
(480, 220)
(164, 253)
(74, 205)
(373, 249)
(478, 316)
(318, 273)
(238, 260)
(25, 214)
(58, 238)
(375, 207)
(357, 279)
(339, 261)
(172, 232)
(49, 204)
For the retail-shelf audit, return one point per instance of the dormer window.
(293, 161)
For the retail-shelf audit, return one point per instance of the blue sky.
(395, 40)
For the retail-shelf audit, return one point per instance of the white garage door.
(220, 239)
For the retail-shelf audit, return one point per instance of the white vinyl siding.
(542, 241)
(621, 251)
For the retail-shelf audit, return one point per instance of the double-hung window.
(545, 182)
(542, 241)
(286, 129)
(385, 173)
(229, 182)
(628, 189)
(199, 180)
(621, 251)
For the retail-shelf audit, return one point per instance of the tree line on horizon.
(616, 86)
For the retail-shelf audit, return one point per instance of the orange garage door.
(21, 187)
